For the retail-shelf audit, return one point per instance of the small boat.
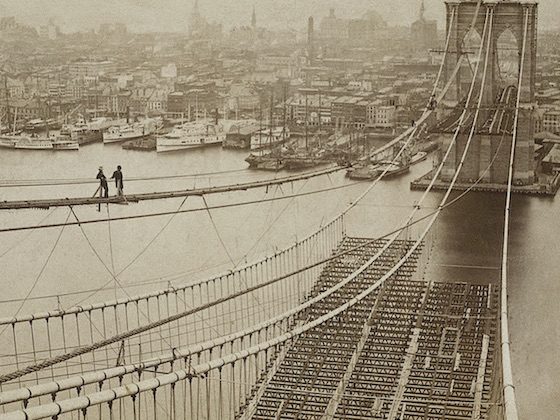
(392, 169)
(362, 172)
(271, 165)
(418, 157)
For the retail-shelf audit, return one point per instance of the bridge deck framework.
(414, 349)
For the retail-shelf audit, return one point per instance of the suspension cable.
(507, 370)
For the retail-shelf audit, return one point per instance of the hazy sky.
(173, 14)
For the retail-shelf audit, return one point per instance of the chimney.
(310, 41)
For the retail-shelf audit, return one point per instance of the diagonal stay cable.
(40, 274)
(117, 282)
(155, 238)
(28, 235)
(217, 231)
(108, 269)
(270, 225)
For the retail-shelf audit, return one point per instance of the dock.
(543, 190)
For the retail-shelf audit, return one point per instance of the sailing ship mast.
(319, 113)
(306, 124)
(7, 93)
(285, 104)
(271, 115)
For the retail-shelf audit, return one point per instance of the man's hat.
(101, 168)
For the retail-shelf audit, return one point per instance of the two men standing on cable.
(103, 184)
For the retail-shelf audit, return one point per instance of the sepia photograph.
(279, 209)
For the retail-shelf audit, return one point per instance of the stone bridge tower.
(508, 16)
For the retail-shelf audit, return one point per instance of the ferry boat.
(37, 143)
(268, 139)
(33, 143)
(132, 131)
(190, 136)
(61, 143)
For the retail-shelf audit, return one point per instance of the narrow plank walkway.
(134, 198)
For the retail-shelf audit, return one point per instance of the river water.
(155, 252)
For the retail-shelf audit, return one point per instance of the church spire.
(422, 10)
(195, 20)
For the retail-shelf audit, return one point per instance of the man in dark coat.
(118, 177)
(103, 183)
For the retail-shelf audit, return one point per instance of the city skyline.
(173, 15)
